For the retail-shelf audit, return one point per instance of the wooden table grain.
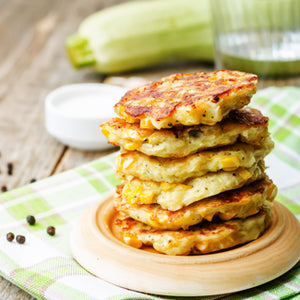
(33, 62)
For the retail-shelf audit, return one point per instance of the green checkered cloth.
(44, 266)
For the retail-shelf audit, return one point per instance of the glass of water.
(257, 36)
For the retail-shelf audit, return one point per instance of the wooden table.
(33, 62)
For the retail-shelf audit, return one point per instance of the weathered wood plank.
(35, 66)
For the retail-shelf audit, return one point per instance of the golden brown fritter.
(174, 196)
(187, 99)
(246, 125)
(239, 203)
(227, 158)
(206, 237)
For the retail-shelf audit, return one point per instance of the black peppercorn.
(10, 167)
(51, 230)
(20, 239)
(32, 180)
(30, 220)
(10, 236)
(3, 188)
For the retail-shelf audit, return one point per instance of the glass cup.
(257, 36)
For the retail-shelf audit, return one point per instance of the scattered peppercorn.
(30, 220)
(10, 168)
(20, 239)
(32, 180)
(51, 230)
(10, 236)
(3, 188)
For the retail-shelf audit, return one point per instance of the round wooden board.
(99, 251)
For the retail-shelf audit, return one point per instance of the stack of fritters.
(192, 163)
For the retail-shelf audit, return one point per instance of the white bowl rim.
(71, 88)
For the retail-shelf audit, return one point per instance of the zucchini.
(140, 34)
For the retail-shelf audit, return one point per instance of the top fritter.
(187, 99)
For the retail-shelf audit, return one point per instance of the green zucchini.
(140, 34)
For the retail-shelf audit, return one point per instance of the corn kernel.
(245, 174)
(152, 139)
(146, 123)
(165, 186)
(119, 162)
(129, 119)
(132, 194)
(153, 223)
(122, 164)
(121, 109)
(147, 198)
(130, 199)
(132, 241)
(105, 132)
(127, 190)
(230, 163)
(132, 146)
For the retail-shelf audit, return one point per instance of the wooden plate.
(98, 250)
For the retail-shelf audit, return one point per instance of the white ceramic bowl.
(74, 112)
